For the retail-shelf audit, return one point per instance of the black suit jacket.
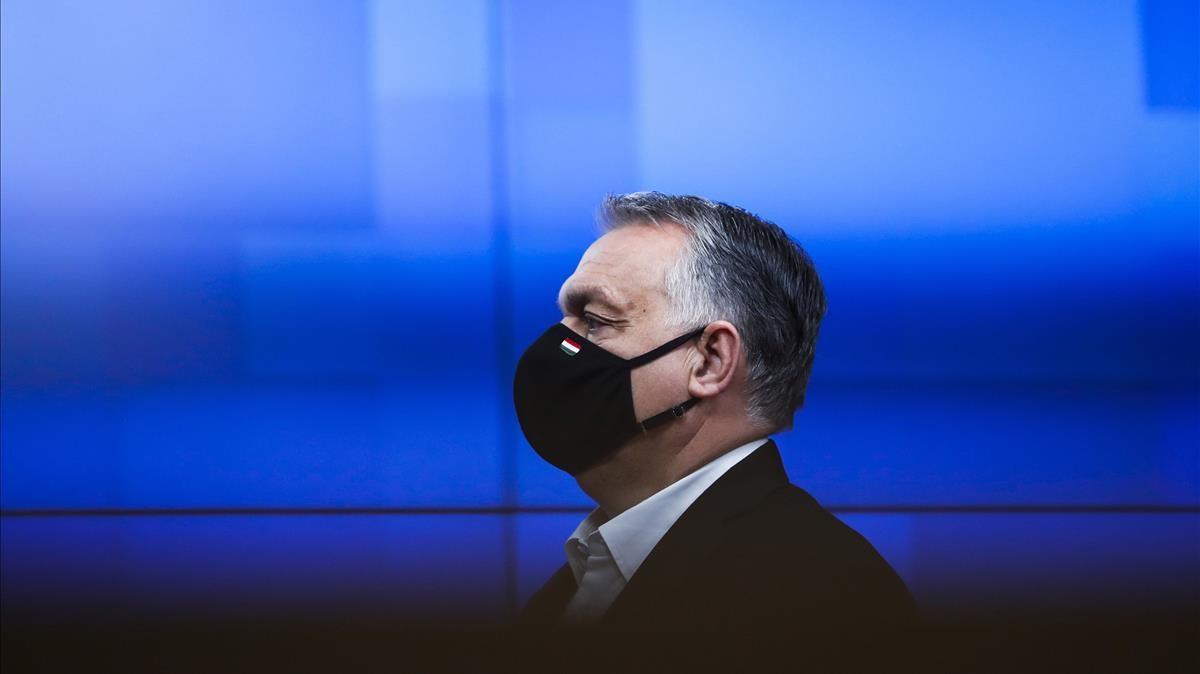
(755, 572)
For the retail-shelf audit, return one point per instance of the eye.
(592, 323)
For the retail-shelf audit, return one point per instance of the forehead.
(625, 269)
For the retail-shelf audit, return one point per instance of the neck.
(650, 463)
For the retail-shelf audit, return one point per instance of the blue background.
(267, 267)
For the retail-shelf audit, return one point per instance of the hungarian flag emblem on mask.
(569, 347)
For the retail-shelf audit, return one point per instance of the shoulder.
(788, 550)
(791, 519)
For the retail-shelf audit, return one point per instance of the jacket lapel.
(663, 576)
(548, 603)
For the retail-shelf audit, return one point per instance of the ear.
(720, 350)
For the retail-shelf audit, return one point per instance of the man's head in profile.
(667, 265)
(688, 335)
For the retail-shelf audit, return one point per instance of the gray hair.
(748, 271)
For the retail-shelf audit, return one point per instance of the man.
(687, 338)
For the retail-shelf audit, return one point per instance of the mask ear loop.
(678, 410)
(669, 415)
(654, 353)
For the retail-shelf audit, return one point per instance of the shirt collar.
(631, 535)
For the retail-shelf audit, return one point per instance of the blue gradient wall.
(266, 269)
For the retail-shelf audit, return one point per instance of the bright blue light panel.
(234, 566)
(1008, 236)
(1147, 562)
(238, 270)
(1171, 39)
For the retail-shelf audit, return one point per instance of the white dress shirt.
(604, 553)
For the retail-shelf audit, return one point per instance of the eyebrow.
(578, 297)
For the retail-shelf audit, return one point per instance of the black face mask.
(574, 399)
